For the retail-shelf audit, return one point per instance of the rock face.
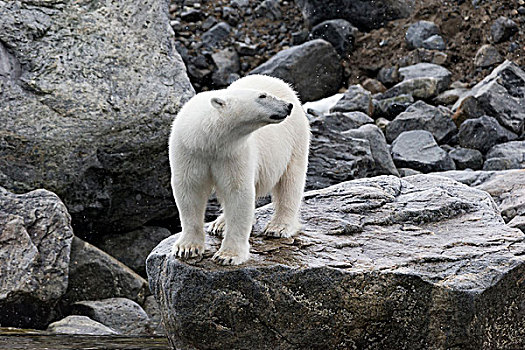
(418, 150)
(96, 275)
(482, 133)
(132, 248)
(509, 155)
(421, 116)
(35, 242)
(427, 70)
(355, 98)
(86, 107)
(80, 325)
(313, 69)
(364, 14)
(338, 32)
(420, 31)
(499, 95)
(121, 314)
(383, 263)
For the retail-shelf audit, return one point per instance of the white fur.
(225, 140)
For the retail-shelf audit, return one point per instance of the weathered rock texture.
(86, 106)
(384, 263)
(313, 69)
(35, 241)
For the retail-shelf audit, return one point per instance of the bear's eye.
(262, 96)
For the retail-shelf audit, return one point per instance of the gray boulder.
(335, 157)
(499, 95)
(35, 241)
(132, 248)
(95, 275)
(121, 314)
(502, 29)
(355, 98)
(427, 70)
(364, 14)
(509, 155)
(87, 108)
(339, 121)
(418, 150)
(228, 66)
(418, 32)
(422, 116)
(338, 32)
(421, 88)
(482, 133)
(390, 107)
(383, 163)
(216, 34)
(382, 263)
(487, 56)
(79, 325)
(388, 75)
(312, 68)
(466, 158)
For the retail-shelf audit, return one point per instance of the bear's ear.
(218, 103)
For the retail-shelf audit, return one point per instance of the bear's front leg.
(238, 196)
(191, 191)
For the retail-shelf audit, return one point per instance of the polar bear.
(244, 141)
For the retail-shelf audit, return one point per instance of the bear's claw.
(216, 228)
(186, 251)
(228, 258)
(279, 230)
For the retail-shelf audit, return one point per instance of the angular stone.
(382, 263)
(269, 9)
(356, 98)
(338, 32)
(35, 242)
(418, 150)
(312, 68)
(344, 121)
(335, 157)
(502, 29)
(389, 75)
(132, 248)
(500, 95)
(422, 116)
(435, 42)
(121, 314)
(509, 155)
(423, 88)
(374, 86)
(427, 70)
(383, 163)
(80, 325)
(390, 107)
(487, 56)
(518, 222)
(227, 63)
(466, 158)
(89, 116)
(449, 97)
(364, 14)
(95, 275)
(216, 34)
(482, 133)
(419, 32)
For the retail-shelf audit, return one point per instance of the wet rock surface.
(35, 241)
(423, 257)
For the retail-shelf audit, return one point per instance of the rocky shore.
(415, 214)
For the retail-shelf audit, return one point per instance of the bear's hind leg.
(191, 196)
(216, 227)
(286, 197)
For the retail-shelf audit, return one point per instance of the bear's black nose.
(290, 107)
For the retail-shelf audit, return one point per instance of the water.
(18, 339)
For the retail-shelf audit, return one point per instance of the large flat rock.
(383, 263)
(88, 91)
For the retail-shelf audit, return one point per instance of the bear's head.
(251, 109)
